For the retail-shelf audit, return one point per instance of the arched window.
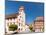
(19, 24)
(19, 28)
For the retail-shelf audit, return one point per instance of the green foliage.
(13, 27)
(43, 29)
(31, 27)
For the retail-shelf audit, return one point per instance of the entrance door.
(37, 30)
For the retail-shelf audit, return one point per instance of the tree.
(31, 28)
(13, 27)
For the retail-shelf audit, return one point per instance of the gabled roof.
(11, 16)
(41, 18)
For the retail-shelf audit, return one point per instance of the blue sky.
(32, 9)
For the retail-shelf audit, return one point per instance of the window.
(13, 22)
(19, 19)
(20, 16)
(19, 28)
(7, 24)
(10, 23)
(19, 24)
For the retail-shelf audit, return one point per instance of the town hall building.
(17, 18)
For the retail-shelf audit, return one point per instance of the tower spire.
(21, 8)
